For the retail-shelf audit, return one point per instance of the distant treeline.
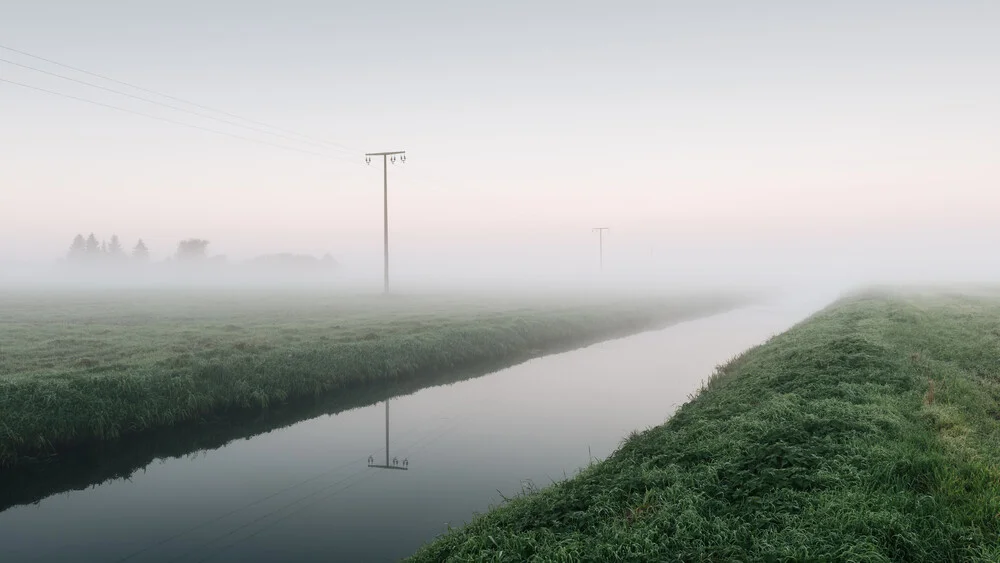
(89, 251)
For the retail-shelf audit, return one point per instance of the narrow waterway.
(312, 491)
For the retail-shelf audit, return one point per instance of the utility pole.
(600, 238)
(386, 156)
(395, 461)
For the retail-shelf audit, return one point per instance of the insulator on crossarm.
(403, 159)
(394, 159)
(368, 160)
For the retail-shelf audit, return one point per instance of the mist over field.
(628, 266)
(644, 280)
(722, 144)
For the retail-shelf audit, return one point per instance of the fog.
(782, 146)
(942, 259)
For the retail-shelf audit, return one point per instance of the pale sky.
(720, 137)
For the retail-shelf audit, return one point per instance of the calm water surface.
(306, 492)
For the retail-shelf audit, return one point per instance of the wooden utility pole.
(385, 199)
(600, 238)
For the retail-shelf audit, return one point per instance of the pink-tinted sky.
(776, 135)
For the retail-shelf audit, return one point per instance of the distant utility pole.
(386, 156)
(395, 461)
(600, 238)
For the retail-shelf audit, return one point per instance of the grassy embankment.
(870, 432)
(91, 368)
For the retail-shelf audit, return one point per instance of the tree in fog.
(115, 250)
(140, 253)
(93, 249)
(192, 249)
(78, 250)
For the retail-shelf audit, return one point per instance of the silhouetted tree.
(140, 252)
(78, 250)
(104, 247)
(93, 247)
(115, 248)
(192, 249)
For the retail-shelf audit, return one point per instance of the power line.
(173, 107)
(176, 99)
(165, 119)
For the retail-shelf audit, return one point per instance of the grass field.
(870, 432)
(88, 368)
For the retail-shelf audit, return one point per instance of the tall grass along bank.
(89, 368)
(870, 432)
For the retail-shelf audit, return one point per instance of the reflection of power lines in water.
(236, 511)
(450, 426)
(267, 515)
(433, 435)
(444, 429)
(428, 437)
(421, 441)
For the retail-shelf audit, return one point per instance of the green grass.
(824, 444)
(80, 370)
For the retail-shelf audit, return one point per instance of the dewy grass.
(819, 445)
(88, 368)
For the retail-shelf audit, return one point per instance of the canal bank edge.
(867, 432)
(46, 419)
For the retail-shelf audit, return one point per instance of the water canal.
(309, 491)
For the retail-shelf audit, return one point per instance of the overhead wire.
(175, 98)
(166, 119)
(288, 136)
(173, 107)
(311, 139)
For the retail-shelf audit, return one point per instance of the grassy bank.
(871, 432)
(84, 369)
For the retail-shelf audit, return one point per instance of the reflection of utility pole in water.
(395, 461)
(600, 238)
